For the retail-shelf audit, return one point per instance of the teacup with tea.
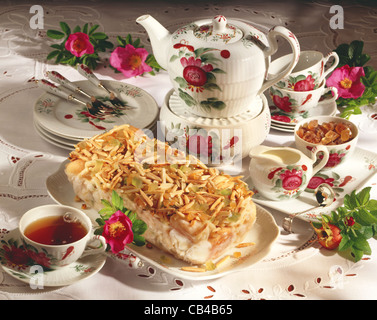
(61, 234)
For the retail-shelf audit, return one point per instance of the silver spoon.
(325, 196)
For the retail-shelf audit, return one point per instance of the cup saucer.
(23, 263)
(289, 120)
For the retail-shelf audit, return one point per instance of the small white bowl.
(338, 153)
(222, 139)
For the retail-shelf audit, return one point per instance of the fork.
(57, 77)
(87, 73)
(55, 90)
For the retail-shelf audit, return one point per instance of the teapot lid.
(218, 30)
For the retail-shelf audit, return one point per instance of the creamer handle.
(323, 161)
(291, 38)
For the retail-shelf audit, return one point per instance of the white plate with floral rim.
(71, 120)
(353, 174)
(53, 139)
(20, 263)
(264, 233)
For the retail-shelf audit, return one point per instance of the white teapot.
(218, 66)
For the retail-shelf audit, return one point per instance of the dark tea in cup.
(60, 234)
(55, 230)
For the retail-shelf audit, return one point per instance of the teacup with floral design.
(308, 73)
(339, 151)
(55, 236)
(299, 102)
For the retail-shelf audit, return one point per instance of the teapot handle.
(291, 38)
(323, 161)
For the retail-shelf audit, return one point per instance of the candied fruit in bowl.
(327, 133)
(313, 124)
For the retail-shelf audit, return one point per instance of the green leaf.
(85, 28)
(52, 54)
(139, 227)
(366, 217)
(356, 254)
(55, 34)
(371, 205)
(93, 28)
(99, 36)
(363, 196)
(362, 244)
(138, 240)
(77, 29)
(345, 243)
(117, 201)
(66, 29)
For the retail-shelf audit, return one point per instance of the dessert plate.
(263, 234)
(58, 141)
(18, 265)
(72, 121)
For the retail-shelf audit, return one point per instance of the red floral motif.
(282, 103)
(194, 72)
(16, 256)
(198, 144)
(40, 258)
(316, 181)
(334, 159)
(291, 180)
(281, 118)
(304, 85)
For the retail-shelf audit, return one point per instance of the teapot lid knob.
(219, 24)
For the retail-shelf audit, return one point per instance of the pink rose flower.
(118, 231)
(347, 81)
(130, 60)
(78, 44)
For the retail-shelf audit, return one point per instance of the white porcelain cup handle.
(100, 249)
(333, 97)
(272, 39)
(333, 66)
(323, 161)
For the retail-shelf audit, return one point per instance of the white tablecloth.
(295, 268)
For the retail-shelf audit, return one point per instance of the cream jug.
(283, 173)
(218, 66)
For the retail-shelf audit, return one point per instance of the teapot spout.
(159, 37)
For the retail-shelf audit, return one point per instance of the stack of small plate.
(64, 124)
(287, 122)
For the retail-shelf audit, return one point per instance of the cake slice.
(194, 212)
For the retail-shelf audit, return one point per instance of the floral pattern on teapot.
(199, 74)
